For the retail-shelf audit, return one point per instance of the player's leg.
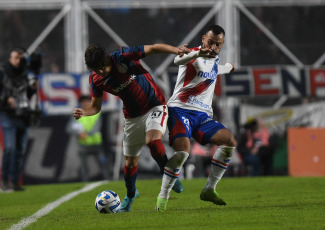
(158, 153)
(180, 139)
(219, 162)
(130, 176)
(156, 124)
(132, 143)
(172, 170)
(156, 147)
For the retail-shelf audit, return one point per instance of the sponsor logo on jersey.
(192, 100)
(125, 84)
(209, 75)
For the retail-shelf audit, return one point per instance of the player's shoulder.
(132, 49)
(93, 74)
(94, 77)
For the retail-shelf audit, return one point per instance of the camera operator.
(16, 89)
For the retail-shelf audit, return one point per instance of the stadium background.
(277, 47)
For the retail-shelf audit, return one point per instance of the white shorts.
(135, 129)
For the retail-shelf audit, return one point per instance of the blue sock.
(130, 177)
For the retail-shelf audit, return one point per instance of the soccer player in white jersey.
(190, 115)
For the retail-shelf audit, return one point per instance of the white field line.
(50, 206)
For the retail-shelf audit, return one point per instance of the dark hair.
(23, 60)
(18, 49)
(251, 124)
(95, 56)
(216, 30)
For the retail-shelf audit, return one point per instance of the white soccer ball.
(108, 202)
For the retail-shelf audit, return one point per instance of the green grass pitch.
(253, 203)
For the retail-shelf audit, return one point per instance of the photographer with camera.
(16, 90)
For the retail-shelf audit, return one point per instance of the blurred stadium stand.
(279, 38)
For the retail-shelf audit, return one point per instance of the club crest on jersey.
(122, 68)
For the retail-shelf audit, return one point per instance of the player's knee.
(131, 162)
(177, 160)
(224, 137)
(226, 151)
(231, 141)
(182, 144)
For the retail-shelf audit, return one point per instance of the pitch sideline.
(50, 206)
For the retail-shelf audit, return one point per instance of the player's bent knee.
(131, 162)
(224, 137)
(227, 151)
(232, 142)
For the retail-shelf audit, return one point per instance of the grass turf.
(253, 203)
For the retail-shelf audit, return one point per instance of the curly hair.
(95, 56)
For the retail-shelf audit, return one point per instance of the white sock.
(171, 173)
(219, 164)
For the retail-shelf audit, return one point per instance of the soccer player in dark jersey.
(144, 105)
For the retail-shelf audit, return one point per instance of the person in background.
(15, 93)
(256, 148)
(88, 131)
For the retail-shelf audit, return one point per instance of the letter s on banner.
(58, 90)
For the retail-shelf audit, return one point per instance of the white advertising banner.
(278, 120)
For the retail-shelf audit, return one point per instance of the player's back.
(131, 82)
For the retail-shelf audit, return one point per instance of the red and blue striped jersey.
(129, 81)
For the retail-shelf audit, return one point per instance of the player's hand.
(78, 113)
(183, 50)
(206, 52)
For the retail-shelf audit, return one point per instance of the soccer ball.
(108, 202)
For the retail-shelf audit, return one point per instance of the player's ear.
(203, 37)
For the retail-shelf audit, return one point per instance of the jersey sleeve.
(95, 91)
(224, 69)
(186, 58)
(133, 53)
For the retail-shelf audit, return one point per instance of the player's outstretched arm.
(227, 68)
(186, 58)
(93, 108)
(164, 48)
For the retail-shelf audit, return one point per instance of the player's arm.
(227, 68)
(164, 48)
(186, 58)
(93, 108)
